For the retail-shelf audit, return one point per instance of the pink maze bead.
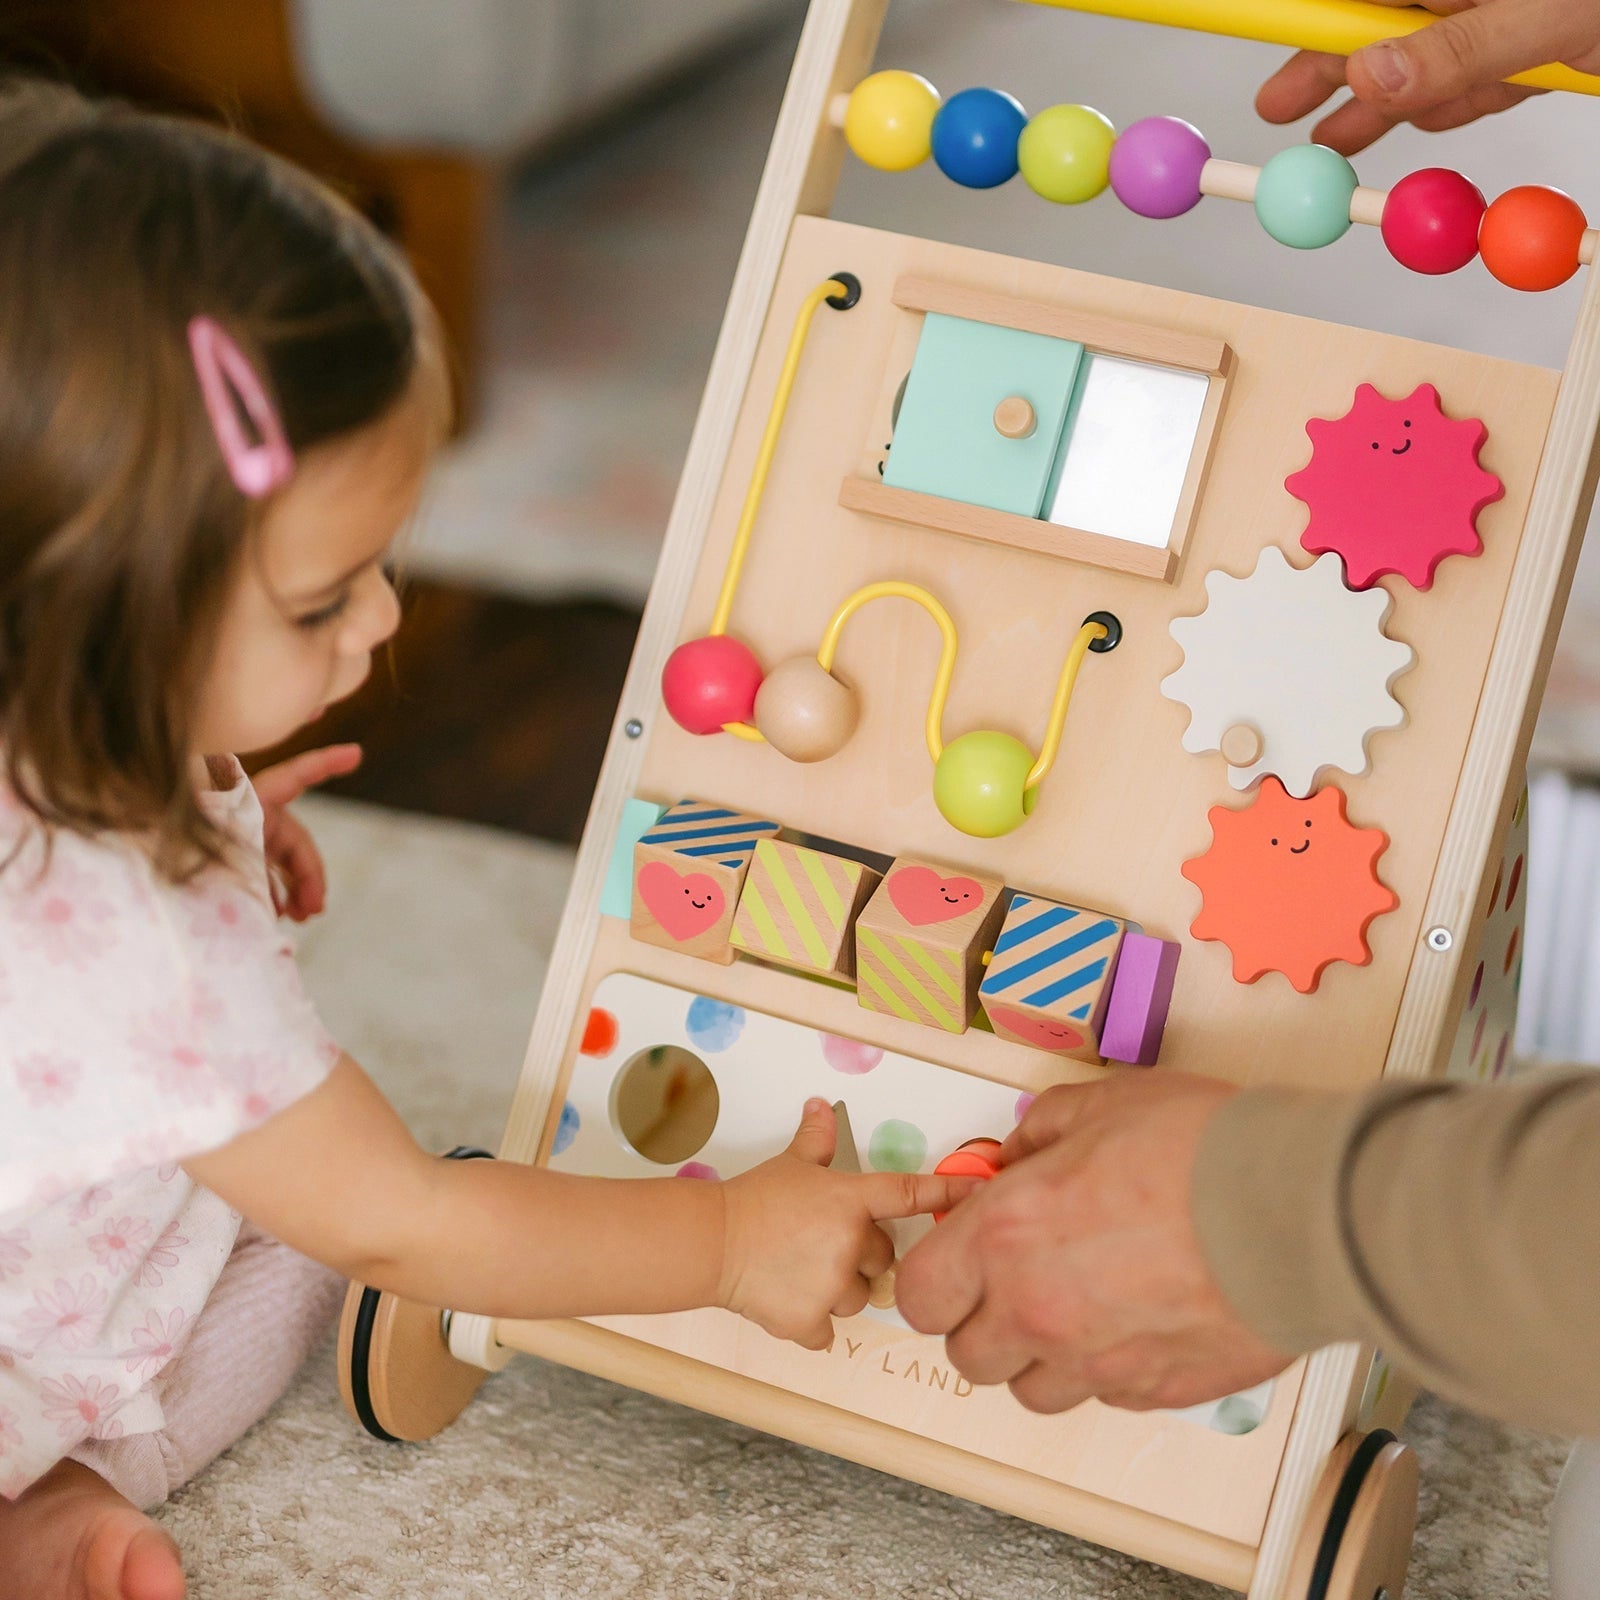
(1430, 220)
(707, 682)
(1155, 166)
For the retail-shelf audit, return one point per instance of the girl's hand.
(1439, 77)
(801, 1242)
(294, 865)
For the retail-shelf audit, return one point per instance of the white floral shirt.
(140, 1023)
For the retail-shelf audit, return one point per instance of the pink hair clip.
(228, 383)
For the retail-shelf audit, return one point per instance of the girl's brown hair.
(119, 525)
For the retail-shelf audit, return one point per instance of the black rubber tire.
(1355, 1474)
(361, 1334)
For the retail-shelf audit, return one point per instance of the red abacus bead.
(1430, 220)
(1530, 237)
(708, 682)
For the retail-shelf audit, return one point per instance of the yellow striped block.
(798, 905)
(921, 939)
(907, 978)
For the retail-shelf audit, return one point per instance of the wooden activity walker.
(1296, 587)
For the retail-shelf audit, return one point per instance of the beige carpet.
(553, 1483)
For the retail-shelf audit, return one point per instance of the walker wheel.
(396, 1374)
(1356, 1541)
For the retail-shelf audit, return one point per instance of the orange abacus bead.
(1530, 237)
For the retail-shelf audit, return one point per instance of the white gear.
(1297, 661)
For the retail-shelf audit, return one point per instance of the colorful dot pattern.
(897, 1146)
(1488, 1024)
(713, 1025)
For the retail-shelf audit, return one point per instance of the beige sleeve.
(1457, 1228)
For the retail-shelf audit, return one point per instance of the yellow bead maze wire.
(758, 477)
(933, 727)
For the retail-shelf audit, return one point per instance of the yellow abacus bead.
(889, 122)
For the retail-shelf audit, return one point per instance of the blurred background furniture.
(414, 108)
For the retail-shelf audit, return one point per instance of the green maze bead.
(979, 783)
(1065, 153)
(1303, 196)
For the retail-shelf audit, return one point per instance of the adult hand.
(1442, 76)
(294, 864)
(1076, 1271)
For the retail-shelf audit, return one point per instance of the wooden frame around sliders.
(1104, 335)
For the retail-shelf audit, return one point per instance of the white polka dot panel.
(906, 1114)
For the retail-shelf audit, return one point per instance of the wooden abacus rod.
(1236, 180)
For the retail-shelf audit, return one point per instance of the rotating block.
(946, 438)
(1049, 980)
(1288, 672)
(1141, 995)
(688, 871)
(797, 908)
(920, 942)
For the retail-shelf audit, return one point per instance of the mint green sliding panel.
(945, 440)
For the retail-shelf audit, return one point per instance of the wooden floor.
(488, 709)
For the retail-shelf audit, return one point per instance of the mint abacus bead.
(1303, 196)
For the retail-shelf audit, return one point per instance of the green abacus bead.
(1303, 196)
(1065, 153)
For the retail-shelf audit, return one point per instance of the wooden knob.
(881, 1290)
(1014, 418)
(1241, 745)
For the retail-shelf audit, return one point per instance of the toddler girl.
(219, 393)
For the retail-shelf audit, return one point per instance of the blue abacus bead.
(1303, 196)
(975, 137)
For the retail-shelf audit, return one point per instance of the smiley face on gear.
(1289, 885)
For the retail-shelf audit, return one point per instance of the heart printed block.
(1050, 977)
(688, 872)
(920, 943)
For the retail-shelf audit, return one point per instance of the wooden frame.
(1471, 813)
(863, 491)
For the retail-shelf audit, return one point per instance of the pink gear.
(1394, 486)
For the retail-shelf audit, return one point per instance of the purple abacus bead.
(1430, 220)
(1155, 166)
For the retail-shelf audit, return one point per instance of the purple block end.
(1140, 996)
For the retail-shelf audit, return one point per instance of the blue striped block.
(688, 872)
(711, 833)
(1049, 980)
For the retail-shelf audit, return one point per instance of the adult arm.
(1160, 1239)
(1456, 1227)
